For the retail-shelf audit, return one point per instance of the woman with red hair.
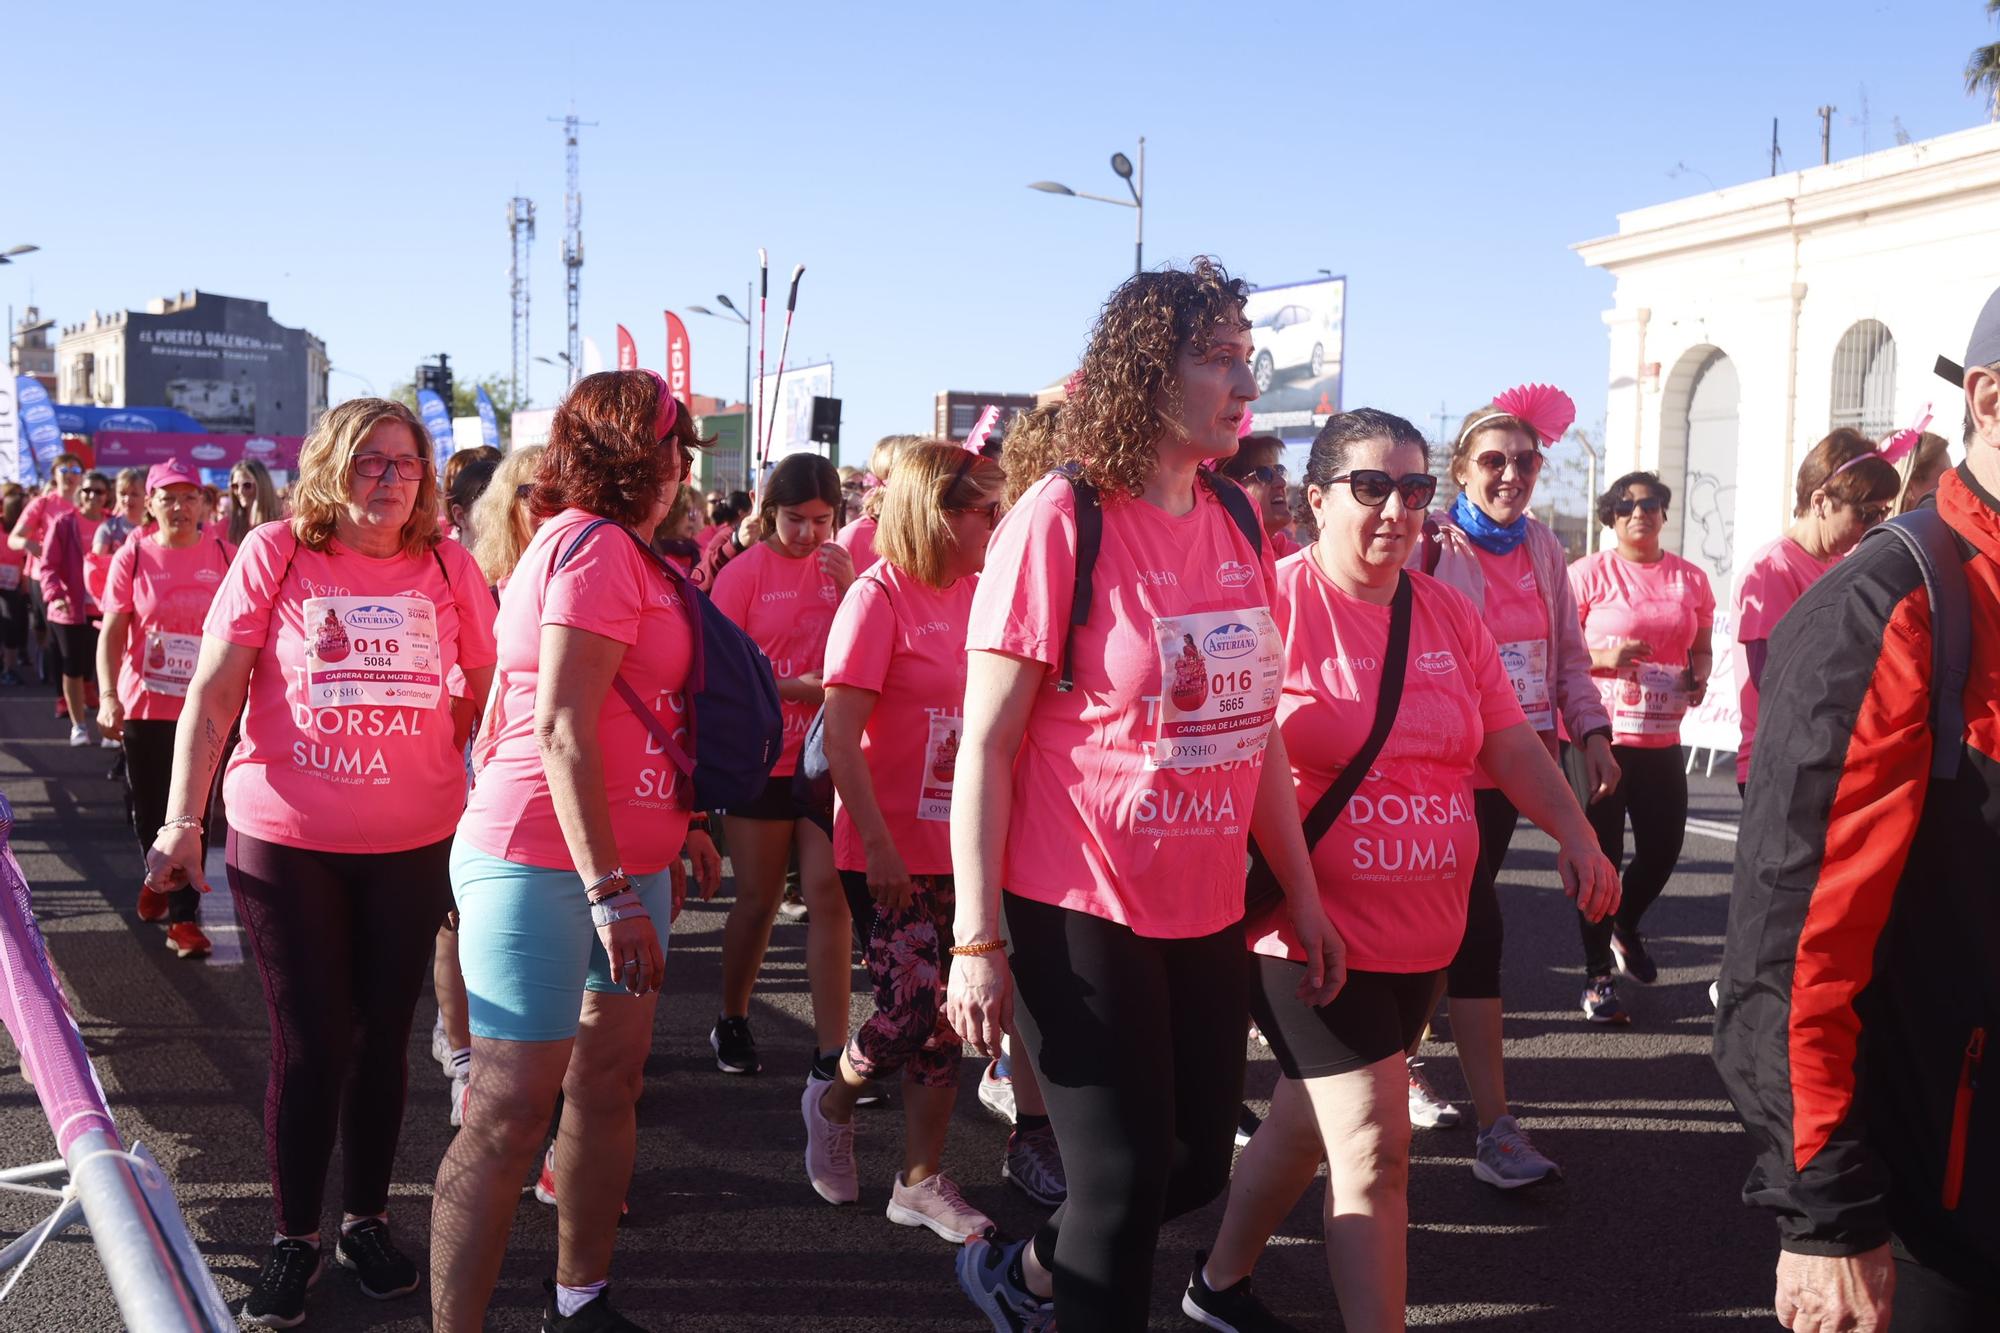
(567, 865)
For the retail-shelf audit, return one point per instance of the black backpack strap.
(1941, 556)
(1395, 662)
(1089, 537)
(1240, 509)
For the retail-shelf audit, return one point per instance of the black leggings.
(1654, 792)
(343, 943)
(1475, 972)
(1139, 1046)
(14, 615)
(149, 771)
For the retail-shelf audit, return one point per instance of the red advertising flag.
(680, 366)
(628, 351)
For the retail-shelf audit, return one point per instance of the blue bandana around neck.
(1490, 537)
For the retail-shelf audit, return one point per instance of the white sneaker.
(996, 1094)
(829, 1149)
(441, 1046)
(1427, 1109)
(79, 735)
(106, 743)
(459, 1087)
(935, 1202)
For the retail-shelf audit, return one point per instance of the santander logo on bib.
(1234, 574)
(1437, 664)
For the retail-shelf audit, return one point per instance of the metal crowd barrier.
(157, 1275)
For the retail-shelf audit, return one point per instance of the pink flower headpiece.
(1547, 410)
(1894, 449)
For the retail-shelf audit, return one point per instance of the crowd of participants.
(1037, 709)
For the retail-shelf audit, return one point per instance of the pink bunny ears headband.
(1547, 410)
(1896, 448)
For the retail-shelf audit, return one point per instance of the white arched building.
(1749, 321)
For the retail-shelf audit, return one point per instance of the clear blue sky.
(352, 165)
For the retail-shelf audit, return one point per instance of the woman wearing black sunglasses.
(1392, 870)
(1514, 569)
(1646, 616)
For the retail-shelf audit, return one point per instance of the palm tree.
(1982, 69)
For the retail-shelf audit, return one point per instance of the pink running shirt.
(343, 779)
(786, 606)
(1395, 868)
(858, 538)
(167, 592)
(34, 523)
(608, 588)
(906, 643)
(1777, 576)
(1096, 828)
(1667, 603)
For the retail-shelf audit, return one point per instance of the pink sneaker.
(936, 1203)
(829, 1149)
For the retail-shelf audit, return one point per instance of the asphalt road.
(1646, 1232)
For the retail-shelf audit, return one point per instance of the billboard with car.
(1297, 338)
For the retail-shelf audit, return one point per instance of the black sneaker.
(1601, 1003)
(383, 1270)
(1234, 1309)
(279, 1298)
(826, 1068)
(1247, 1124)
(595, 1317)
(1629, 953)
(735, 1048)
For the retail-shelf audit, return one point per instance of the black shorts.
(780, 805)
(1376, 1015)
(78, 645)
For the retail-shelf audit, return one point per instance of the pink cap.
(173, 472)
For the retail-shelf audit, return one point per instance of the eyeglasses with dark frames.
(376, 465)
(1372, 488)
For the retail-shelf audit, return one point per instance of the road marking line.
(1713, 828)
(218, 914)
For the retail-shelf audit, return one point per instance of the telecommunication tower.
(573, 239)
(520, 235)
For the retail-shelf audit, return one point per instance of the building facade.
(221, 359)
(1748, 322)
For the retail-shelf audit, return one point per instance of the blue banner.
(79, 420)
(437, 420)
(38, 422)
(489, 421)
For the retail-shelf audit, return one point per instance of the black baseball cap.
(1982, 349)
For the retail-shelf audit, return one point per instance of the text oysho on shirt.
(375, 777)
(905, 642)
(786, 605)
(166, 590)
(1097, 826)
(1395, 868)
(1666, 604)
(609, 588)
(1778, 574)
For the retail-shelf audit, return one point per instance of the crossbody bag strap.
(1327, 809)
(1089, 537)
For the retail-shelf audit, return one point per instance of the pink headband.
(667, 411)
(1547, 410)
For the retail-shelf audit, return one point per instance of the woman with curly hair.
(567, 866)
(337, 629)
(1117, 812)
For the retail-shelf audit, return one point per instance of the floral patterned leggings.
(907, 965)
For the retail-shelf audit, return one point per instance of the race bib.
(168, 665)
(1219, 678)
(1526, 662)
(1648, 701)
(373, 650)
(940, 767)
(10, 578)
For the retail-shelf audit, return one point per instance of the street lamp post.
(741, 318)
(1121, 165)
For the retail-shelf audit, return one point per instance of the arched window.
(1864, 379)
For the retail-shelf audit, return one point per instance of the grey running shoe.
(829, 1149)
(1507, 1159)
(983, 1276)
(1602, 1005)
(996, 1093)
(1427, 1109)
(1034, 1166)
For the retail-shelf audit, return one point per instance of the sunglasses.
(1372, 488)
(1525, 465)
(1269, 476)
(991, 511)
(376, 465)
(1652, 504)
(70, 471)
(1873, 514)
(93, 490)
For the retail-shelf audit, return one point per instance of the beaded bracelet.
(181, 822)
(974, 950)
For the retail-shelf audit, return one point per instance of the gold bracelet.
(974, 950)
